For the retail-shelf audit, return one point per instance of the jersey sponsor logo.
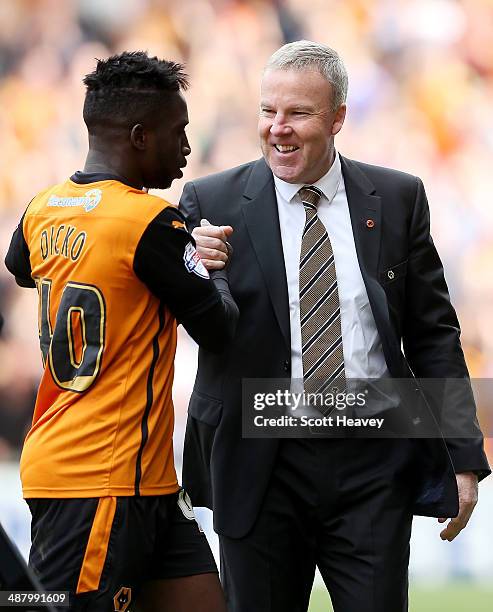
(89, 201)
(122, 599)
(193, 263)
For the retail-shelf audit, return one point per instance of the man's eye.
(266, 111)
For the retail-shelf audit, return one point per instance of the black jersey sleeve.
(167, 262)
(17, 258)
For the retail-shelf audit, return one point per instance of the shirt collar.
(328, 184)
(85, 178)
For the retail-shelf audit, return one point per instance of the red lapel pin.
(370, 223)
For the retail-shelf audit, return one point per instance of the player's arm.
(17, 259)
(166, 261)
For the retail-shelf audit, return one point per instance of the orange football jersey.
(103, 420)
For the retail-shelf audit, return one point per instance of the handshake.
(212, 244)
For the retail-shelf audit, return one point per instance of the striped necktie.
(320, 315)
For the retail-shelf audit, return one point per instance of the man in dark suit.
(319, 235)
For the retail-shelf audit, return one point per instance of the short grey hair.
(308, 55)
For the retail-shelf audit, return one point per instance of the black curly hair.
(129, 88)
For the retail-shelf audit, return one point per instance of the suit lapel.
(262, 222)
(365, 209)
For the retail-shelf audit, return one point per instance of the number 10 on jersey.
(73, 349)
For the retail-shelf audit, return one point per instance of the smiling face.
(297, 124)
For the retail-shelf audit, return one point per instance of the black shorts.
(101, 550)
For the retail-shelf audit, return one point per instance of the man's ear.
(340, 115)
(138, 137)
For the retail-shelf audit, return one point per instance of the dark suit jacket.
(229, 473)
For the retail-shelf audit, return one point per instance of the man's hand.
(467, 484)
(211, 244)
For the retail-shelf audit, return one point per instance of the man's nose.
(186, 149)
(280, 127)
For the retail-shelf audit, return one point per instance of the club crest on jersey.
(193, 263)
(88, 201)
(122, 599)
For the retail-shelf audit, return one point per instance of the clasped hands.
(212, 244)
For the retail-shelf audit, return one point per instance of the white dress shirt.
(363, 355)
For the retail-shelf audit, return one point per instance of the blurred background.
(420, 100)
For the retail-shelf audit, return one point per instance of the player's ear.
(138, 137)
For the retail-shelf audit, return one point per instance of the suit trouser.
(341, 505)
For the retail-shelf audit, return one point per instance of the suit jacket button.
(286, 366)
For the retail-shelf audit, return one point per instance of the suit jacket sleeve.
(431, 340)
(190, 207)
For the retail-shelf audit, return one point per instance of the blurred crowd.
(420, 99)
